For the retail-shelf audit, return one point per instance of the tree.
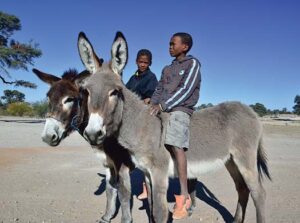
(13, 54)
(202, 106)
(260, 109)
(12, 97)
(284, 111)
(276, 113)
(297, 105)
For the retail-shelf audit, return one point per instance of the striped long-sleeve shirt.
(179, 86)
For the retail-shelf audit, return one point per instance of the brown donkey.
(68, 112)
(229, 133)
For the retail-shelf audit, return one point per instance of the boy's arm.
(190, 82)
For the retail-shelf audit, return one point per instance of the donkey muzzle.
(94, 137)
(53, 132)
(51, 139)
(95, 131)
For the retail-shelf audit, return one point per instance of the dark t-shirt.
(143, 84)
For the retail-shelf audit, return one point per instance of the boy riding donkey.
(177, 93)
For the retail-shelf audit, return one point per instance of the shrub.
(2, 111)
(19, 109)
(40, 108)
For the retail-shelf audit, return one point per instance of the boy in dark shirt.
(177, 93)
(143, 82)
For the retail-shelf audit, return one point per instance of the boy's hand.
(147, 101)
(155, 109)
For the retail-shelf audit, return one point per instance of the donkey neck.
(137, 123)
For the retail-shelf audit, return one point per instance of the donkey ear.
(47, 78)
(87, 54)
(81, 78)
(119, 54)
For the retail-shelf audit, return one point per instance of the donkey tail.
(262, 164)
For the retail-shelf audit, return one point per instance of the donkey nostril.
(87, 137)
(100, 134)
(54, 137)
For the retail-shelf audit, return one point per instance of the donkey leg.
(149, 192)
(242, 189)
(258, 195)
(251, 177)
(159, 180)
(124, 192)
(192, 191)
(111, 196)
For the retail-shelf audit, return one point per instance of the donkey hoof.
(191, 209)
(102, 220)
(126, 221)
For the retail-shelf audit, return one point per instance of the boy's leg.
(183, 201)
(177, 140)
(182, 169)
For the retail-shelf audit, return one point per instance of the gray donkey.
(229, 133)
(67, 111)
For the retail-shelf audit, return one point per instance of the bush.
(40, 108)
(19, 109)
(2, 111)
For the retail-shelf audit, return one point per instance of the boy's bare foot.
(144, 194)
(181, 207)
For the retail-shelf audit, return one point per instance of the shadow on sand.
(203, 193)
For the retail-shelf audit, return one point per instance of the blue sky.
(249, 50)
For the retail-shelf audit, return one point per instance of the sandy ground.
(39, 183)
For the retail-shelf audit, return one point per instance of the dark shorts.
(178, 132)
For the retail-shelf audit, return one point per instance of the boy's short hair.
(145, 52)
(186, 39)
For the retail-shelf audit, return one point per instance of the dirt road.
(39, 183)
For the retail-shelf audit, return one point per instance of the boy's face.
(177, 48)
(143, 63)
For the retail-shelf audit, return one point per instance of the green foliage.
(260, 109)
(12, 97)
(202, 106)
(13, 103)
(297, 105)
(10, 23)
(40, 108)
(13, 54)
(19, 109)
(2, 111)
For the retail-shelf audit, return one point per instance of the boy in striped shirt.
(177, 93)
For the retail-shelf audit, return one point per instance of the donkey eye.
(114, 93)
(68, 100)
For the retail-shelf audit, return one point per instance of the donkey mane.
(70, 74)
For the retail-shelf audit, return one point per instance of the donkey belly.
(198, 168)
